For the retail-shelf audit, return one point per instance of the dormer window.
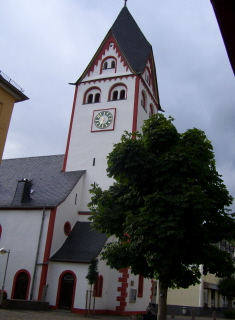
(92, 95)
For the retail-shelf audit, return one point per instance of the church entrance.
(66, 291)
(21, 285)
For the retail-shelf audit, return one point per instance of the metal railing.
(8, 79)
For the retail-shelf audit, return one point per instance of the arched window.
(143, 100)
(0, 231)
(105, 65)
(115, 95)
(122, 94)
(113, 64)
(98, 287)
(92, 95)
(147, 75)
(90, 98)
(151, 110)
(118, 92)
(97, 97)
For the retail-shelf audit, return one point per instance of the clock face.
(103, 119)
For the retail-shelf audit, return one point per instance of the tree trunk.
(230, 304)
(162, 304)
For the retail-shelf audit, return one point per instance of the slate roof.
(82, 244)
(131, 40)
(50, 185)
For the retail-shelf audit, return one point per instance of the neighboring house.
(43, 200)
(10, 93)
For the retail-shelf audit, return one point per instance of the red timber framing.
(70, 129)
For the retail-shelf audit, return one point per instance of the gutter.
(37, 254)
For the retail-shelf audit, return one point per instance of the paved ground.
(6, 314)
(64, 315)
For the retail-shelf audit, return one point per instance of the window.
(147, 75)
(98, 287)
(140, 286)
(115, 95)
(118, 92)
(122, 94)
(90, 98)
(67, 228)
(132, 295)
(0, 231)
(92, 95)
(97, 97)
(143, 100)
(151, 110)
(108, 65)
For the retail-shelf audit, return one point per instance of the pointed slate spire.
(131, 40)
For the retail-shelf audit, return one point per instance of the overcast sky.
(46, 44)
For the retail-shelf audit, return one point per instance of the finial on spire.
(125, 3)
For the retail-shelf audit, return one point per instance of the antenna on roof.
(125, 3)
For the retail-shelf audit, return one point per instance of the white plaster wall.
(141, 302)
(86, 145)
(54, 272)
(66, 211)
(20, 235)
(142, 113)
(120, 68)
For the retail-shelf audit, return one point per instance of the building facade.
(10, 93)
(43, 200)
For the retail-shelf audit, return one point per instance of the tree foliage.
(167, 207)
(92, 272)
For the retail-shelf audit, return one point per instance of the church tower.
(116, 92)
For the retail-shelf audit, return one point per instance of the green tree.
(92, 272)
(167, 207)
(227, 288)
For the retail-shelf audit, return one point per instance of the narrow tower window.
(105, 65)
(122, 94)
(115, 95)
(97, 97)
(113, 64)
(90, 98)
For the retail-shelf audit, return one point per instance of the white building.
(43, 200)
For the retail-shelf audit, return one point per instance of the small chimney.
(22, 193)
